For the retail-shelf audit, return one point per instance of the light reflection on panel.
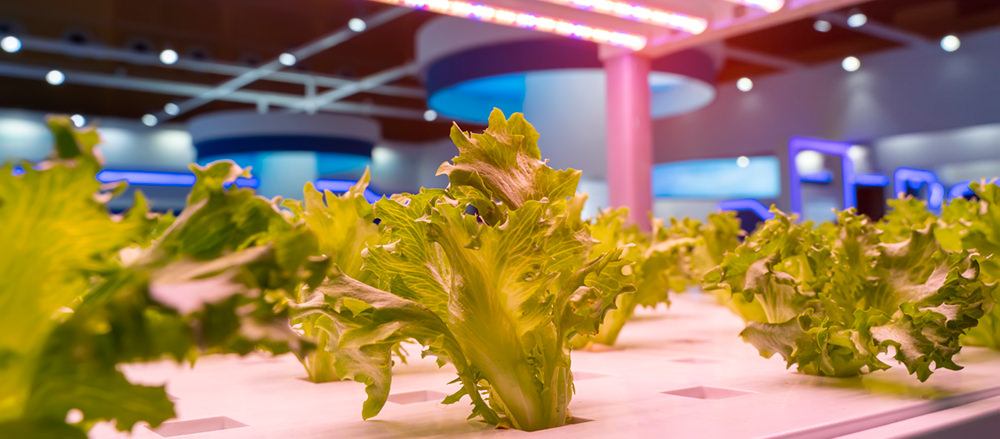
(718, 178)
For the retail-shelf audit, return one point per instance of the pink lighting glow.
(767, 5)
(524, 20)
(673, 20)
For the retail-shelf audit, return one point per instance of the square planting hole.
(582, 375)
(705, 392)
(573, 420)
(695, 360)
(192, 426)
(416, 396)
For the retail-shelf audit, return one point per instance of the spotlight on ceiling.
(168, 56)
(78, 120)
(149, 120)
(857, 19)
(356, 24)
(851, 64)
(55, 77)
(10, 44)
(950, 43)
(743, 161)
(822, 26)
(287, 59)
(171, 109)
(744, 84)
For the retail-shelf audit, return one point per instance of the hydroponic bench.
(681, 372)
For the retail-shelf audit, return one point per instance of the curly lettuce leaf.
(56, 232)
(505, 163)
(345, 226)
(107, 290)
(972, 224)
(493, 274)
(835, 297)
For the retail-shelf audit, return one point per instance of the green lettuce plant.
(836, 296)
(345, 226)
(493, 274)
(85, 291)
(975, 224)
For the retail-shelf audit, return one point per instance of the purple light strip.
(746, 204)
(341, 186)
(871, 180)
(960, 190)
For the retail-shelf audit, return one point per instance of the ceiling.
(115, 43)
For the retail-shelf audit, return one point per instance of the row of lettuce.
(497, 275)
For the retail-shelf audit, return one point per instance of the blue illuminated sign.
(905, 179)
(829, 147)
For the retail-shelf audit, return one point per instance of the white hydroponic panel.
(679, 372)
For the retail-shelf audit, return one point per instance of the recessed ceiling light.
(55, 77)
(78, 120)
(857, 19)
(10, 44)
(430, 115)
(744, 84)
(851, 64)
(743, 161)
(287, 59)
(822, 26)
(149, 120)
(950, 43)
(168, 56)
(171, 109)
(356, 24)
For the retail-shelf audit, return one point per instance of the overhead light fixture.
(357, 25)
(822, 26)
(78, 120)
(767, 5)
(149, 120)
(851, 64)
(628, 11)
(744, 84)
(950, 43)
(430, 115)
(55, 77)
(287, 59)
(168, 56)
(857, 19)
(507, 17)
(171, 109)
(743, 161)
(10, 44)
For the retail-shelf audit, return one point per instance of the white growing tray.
(720, 388)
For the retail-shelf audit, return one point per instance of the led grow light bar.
(767, 5)
(524, 20)
(628, 11)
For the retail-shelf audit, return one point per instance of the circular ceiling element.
(236, 132)
(489, 66)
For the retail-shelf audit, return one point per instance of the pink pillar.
(630, 136)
